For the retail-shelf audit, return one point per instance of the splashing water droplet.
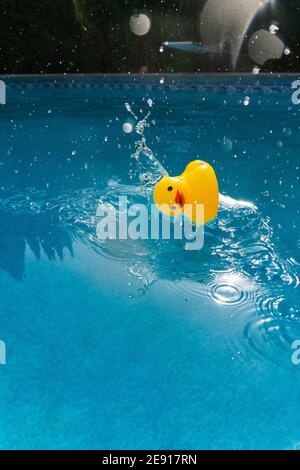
(256, 70)
(149, 168)
(246, 101)
(141, 125)
(287, 51)
(162, 81)
(274, 28)
(161, 49)
(227, 145)
(127, 127)
(128, 107)
(287, 131)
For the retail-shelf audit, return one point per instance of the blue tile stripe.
(200, 83)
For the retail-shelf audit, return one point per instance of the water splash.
(147, 168)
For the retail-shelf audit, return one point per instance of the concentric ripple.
(273, 340)
(232, 289)
(227, 294)
(286, 305)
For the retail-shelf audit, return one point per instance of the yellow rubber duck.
(197, 185)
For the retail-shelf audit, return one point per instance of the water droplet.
(274, 28)
(287, 131)
(162, 81)
(227, 145)
(73, 152)
(128, 107)
(161, 49)
(287, 51)
(127, 127)
(246, 101)
(256, 70)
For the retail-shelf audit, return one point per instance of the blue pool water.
(129, 345)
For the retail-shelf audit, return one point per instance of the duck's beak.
(179, 198)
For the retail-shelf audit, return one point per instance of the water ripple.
(240, 269)
(272, 339)
(231, 289)
(227, 294)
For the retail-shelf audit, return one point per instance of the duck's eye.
(170, 188)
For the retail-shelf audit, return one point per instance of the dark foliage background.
(47, 36)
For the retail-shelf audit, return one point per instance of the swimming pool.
(143, 345)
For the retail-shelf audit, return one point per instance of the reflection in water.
(35, 231)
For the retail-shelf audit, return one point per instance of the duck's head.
(196, 186)
(170, 195)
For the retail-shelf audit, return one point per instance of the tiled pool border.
(230, 83)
